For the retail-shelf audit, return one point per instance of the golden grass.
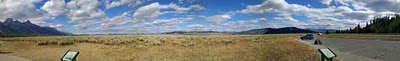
(277, 47)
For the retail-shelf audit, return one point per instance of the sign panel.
(327, 53)
(70, 56)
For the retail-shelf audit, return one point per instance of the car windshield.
(309, 35)
(199, 30)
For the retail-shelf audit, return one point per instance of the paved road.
(375, 49)
(12, 58)
(4, 57)
(341, 56)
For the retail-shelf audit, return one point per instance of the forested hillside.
(387, 24)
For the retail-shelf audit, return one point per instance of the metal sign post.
(326, 54)
(70, 56)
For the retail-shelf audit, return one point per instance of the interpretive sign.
(70, 56)
(327, 54)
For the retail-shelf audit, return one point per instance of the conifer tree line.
(386, 24)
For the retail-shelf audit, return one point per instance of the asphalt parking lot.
(375, 49)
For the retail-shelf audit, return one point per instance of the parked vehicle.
(307, 37)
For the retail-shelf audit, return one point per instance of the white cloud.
(327, 2)
(163, 25)
(258, 20)
(183, 9)
(218, 18)
(54, 7)
(384, 5)
(184, 1)
(195, 26)
(41, 19)
(153, 10)
(281, 6)
(242, 25)
(267, 6)
(85, 13)
(81, 10)
(115, 21)
(358, 15)
(234, 26)
(149, 11)
(22, 10)
(330, 23)
(170, 22)
(127, 22)
(56, 25)
(123, 2)
(287, 19)
(198, 27)
(375, 5)
(361, 14)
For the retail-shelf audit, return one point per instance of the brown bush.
(42, 43)
(54, 43)
(65, 43)
(187, 44)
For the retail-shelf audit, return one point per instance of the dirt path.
(4, 57)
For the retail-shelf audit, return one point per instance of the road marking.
(358, 49)
(375, 57)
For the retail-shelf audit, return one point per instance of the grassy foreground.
(275, 47)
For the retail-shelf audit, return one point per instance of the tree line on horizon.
(386, 24)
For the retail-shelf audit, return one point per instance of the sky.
(157, 16)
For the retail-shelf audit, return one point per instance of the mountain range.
(253, 31)
(322, 30)
(276, 31)
(194, 32)
(11, 27)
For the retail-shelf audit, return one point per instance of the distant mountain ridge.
(193, 32)
(253, 31)
(25, 28)
(277, 31)
(322, 30)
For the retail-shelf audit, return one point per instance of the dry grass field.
(275, 47)
(391, 37)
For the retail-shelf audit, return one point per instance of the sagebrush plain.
(272, 47)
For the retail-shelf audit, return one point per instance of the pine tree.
(357, 29)
(386, 24)
(326, 32)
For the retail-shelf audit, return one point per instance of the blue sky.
(156, 16)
